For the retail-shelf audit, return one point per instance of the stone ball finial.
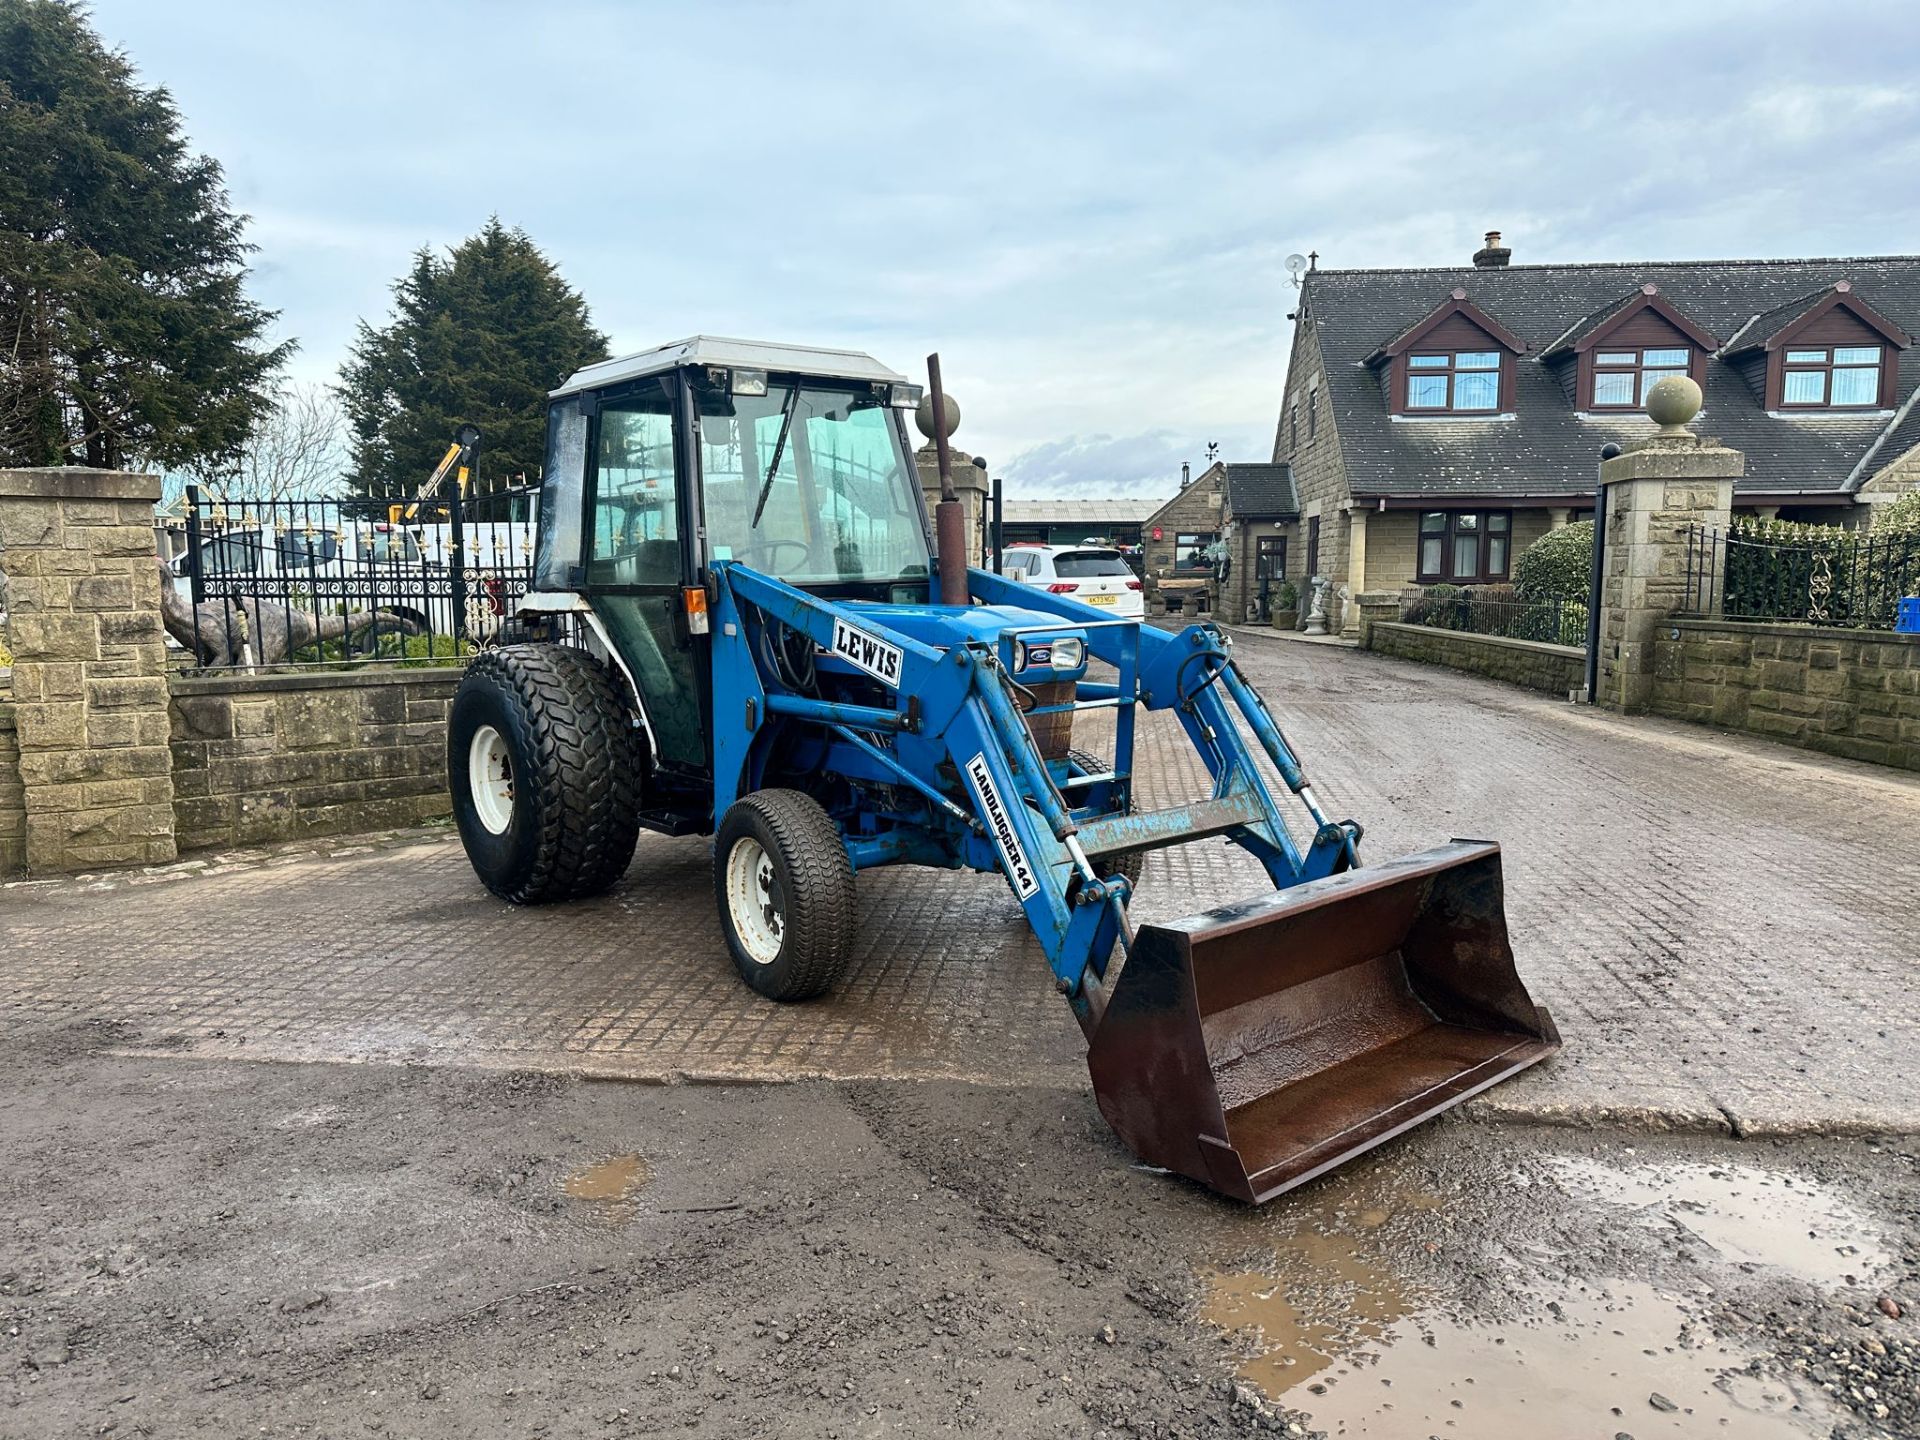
(1672, 402)
(923, 416)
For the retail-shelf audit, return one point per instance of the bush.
(418, 650)
(1445, 607)
(1900, 518)
(1827, 575)
(405, 651)
(1499, 610)
(1558, 566)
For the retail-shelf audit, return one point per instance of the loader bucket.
(1255, 1046)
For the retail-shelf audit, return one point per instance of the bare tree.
(296, 453)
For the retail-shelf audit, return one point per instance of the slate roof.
(1122, 511)
(1548, 449)
(1769, 323)
(1260, 492)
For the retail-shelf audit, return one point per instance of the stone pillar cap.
(1672, 402)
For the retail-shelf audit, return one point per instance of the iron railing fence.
(1496, 610)
(1801, 574)
(346, 581)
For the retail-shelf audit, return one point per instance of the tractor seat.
(654, 562)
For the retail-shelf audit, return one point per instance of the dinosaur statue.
(230, 631)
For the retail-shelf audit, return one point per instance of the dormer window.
(1456, 361)
(1461, 381)
(1831, 377)
(1609, 359)
(1622, 378)
(1829, 350)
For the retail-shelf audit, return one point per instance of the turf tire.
(576, 769)
(812, 889)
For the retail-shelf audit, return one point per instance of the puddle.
(1746, 1214)
(612, 1183)
(1348, 1346)
(1318, 1301)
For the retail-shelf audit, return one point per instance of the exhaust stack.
(949, 516)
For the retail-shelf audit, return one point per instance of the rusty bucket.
(1255, 1046)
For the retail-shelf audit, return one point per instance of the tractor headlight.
(904, 396)
(749, 382)
(1067, 654)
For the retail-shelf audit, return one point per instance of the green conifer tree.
(126, 336)
(478, 338)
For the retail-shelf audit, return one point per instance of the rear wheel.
(785, 890)
(544, 772)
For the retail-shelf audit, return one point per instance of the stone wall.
(13, 798)
(282, 757)
(89, 667)
(1552, 669)
(1854, 693)
(1319, 476)
(1393, 555)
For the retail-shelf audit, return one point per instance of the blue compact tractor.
(752, 640)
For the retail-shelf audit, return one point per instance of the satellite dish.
(1295, 265)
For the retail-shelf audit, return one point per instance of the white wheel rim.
(753, 901)
(490, 779)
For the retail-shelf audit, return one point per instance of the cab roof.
(743, 354)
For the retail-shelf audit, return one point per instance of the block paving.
(1723, 929)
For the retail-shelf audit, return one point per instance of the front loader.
(755, 643)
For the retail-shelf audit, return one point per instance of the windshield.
(840, 505)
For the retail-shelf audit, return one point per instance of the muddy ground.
(214, 1247)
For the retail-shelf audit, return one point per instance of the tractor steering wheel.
(771, 548)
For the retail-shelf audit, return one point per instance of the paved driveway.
(1725, 930)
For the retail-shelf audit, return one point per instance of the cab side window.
(636, 527)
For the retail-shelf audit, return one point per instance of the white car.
(1094, 575)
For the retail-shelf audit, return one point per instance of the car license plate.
(1103, 599)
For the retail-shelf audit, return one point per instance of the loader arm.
(954, 734)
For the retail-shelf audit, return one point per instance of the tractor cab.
(790, 460)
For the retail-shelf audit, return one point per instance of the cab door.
(637, 564)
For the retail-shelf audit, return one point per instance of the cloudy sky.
(1085, 207)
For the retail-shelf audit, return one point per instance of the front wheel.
(785, 889)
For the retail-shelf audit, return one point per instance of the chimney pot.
(1493, 239)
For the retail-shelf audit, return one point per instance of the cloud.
(1084, 206)
(1102, 466)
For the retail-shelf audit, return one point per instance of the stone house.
(1242, 513)
(1262, 513)
(1439, 421)
(1177, 539)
